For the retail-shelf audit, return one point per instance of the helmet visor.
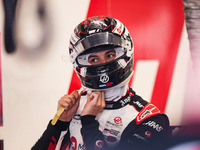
(100, 57)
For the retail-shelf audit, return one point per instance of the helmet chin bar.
(125, 82)
(114, 74)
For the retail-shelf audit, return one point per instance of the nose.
(104, 60)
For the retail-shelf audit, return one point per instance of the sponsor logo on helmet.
(104, 78)
(106, 85)
(119, 30)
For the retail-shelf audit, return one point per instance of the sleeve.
(92, 136)
(147, 134)
(51, 135)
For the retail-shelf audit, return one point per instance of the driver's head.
(101, 50)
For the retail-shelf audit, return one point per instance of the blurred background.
(35, 69)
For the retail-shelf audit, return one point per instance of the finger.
(103, 99)
(103, 95)
(71, 99)
(77, 102)
(75, 98)
(100, 98)
(76, 94)
(67, 101)
(96, 96)
(63, 103)
(90, 96)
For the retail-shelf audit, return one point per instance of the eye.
(111, 55)
(93, 60)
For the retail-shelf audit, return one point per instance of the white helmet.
(97, 34)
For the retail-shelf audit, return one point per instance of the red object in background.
(156, 27)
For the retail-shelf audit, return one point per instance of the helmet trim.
(98, 39)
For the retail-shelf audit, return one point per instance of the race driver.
(107, 114)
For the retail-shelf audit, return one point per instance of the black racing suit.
(129, 123)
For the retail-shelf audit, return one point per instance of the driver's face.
(102, 57)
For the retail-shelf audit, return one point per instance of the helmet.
(97, 34)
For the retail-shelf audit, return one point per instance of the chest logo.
(118, 120)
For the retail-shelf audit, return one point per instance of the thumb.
(90, 97)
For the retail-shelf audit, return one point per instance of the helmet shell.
(99, 32)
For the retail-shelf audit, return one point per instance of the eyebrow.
(92, 56)
(110, 51)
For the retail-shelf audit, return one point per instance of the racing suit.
(124, 124)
